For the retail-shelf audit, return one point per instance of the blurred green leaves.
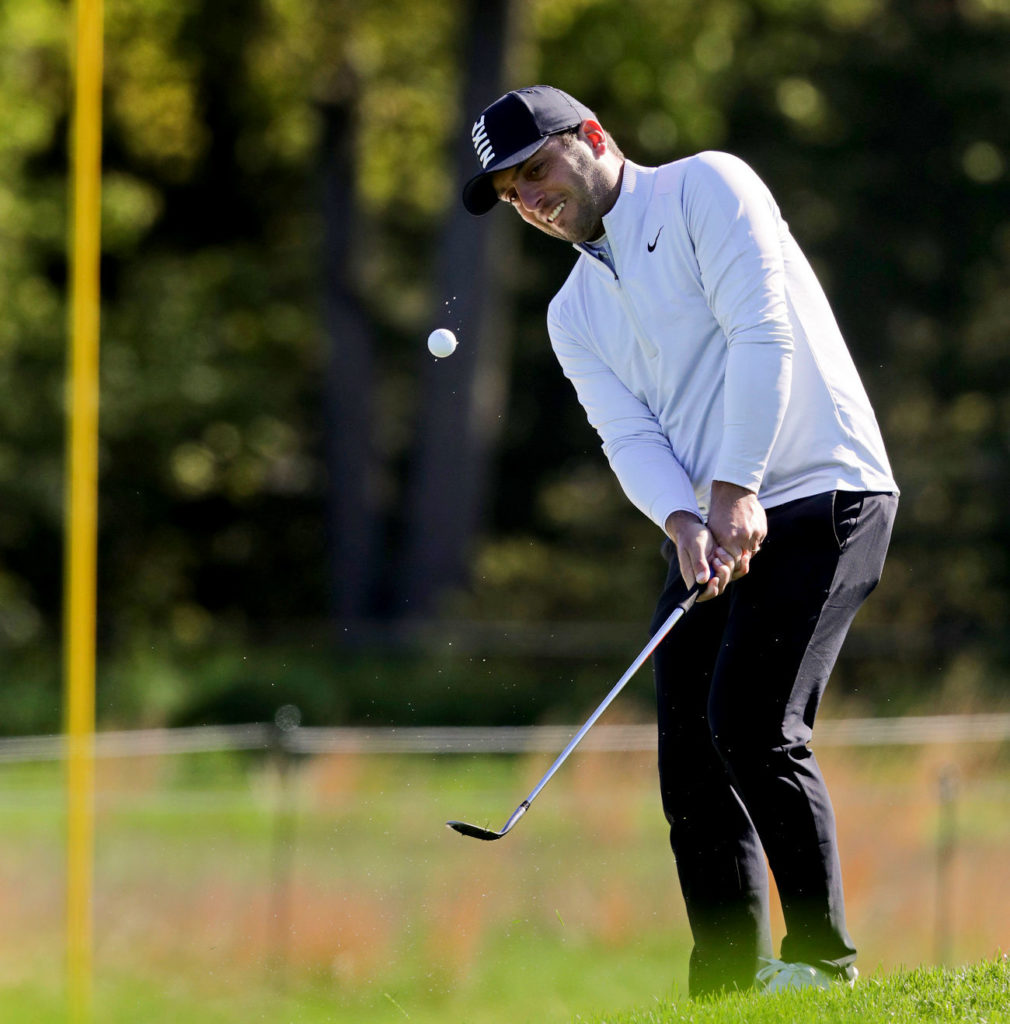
(880, 126)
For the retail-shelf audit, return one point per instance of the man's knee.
(751, 749)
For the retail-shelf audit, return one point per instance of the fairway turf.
(978, 994)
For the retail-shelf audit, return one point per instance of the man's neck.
(615, 193)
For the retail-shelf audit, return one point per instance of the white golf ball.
(442, 342)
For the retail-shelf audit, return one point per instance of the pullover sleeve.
(634, 443)
(736, 230)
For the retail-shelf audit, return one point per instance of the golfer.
(706, 356)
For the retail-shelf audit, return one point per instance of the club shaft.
(656, 639)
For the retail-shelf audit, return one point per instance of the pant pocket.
(846, 507)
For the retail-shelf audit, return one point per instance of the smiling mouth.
(553, 215)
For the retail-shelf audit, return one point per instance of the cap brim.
(479, 196)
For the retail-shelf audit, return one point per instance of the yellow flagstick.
(81, 505)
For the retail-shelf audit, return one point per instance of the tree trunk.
(349, 378)
(464, 394)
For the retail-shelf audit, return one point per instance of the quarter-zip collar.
(630, 180)
(608, 255)
(600, 250)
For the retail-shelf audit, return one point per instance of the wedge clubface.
(476, 832)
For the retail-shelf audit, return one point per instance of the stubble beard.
(591, 201)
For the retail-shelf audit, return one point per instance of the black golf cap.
(512, 129)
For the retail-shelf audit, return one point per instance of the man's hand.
(701, 559)
(737, 523)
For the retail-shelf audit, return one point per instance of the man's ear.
(593, 133)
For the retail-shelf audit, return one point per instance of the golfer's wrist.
(677, 522)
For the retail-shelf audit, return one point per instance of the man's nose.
(531, 195)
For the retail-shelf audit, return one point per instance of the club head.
(474, 831)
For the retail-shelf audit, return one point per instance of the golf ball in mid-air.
(442, 342)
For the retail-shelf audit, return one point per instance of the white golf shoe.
(779, 976)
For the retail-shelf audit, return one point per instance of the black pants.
(738, 685)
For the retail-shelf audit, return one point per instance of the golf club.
(476, 832)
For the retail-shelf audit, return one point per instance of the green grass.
(979, 994)
(225, 896)
(526, 990)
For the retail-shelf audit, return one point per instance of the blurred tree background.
(299, 505)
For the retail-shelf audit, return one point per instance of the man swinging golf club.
(705, 354)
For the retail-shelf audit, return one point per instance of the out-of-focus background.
(301, 507)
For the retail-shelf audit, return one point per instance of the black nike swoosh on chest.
(652, 245)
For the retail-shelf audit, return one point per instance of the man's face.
(564, 189)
